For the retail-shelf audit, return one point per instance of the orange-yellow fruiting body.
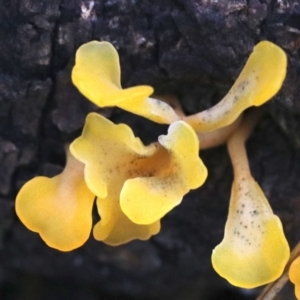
(262, 76)
(184, 171)
(259, 81)
(254, 250)
(136, 185)
(294, 275)
(58, 208)
(96, 74)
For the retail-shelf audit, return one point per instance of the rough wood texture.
(193, 48)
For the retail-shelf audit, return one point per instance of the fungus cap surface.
(263, 74)
(96, 74)
(127, 176)
(260, 79)
(254, 250)
(109, 153)
(147, 199)
(58, 208)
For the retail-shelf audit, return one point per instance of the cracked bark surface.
(191, 48)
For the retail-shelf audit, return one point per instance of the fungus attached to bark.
(97, 73)
(136, 185)
(254, 250)
(294, 275)
(58, 208)
(97, 76)
(260, 80)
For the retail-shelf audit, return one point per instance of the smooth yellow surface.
(110, 153)
(259, 81)
(254, 250)
(96, 74)
(262, 76)
(294, 275)
(147, 199)
(136, 184)
(58, 208)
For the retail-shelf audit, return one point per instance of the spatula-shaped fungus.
(97, 76)
(259, 81)
(58, 208)
(136, 185)
(254, 250)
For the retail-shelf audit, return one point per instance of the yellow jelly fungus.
(58, 208)
(167, 186)
(294, 275)
(260, 80)
(254, 250)
(97, 73)
(148, 180)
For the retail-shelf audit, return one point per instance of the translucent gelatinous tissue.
(136, 185)
(97, 76)
(58, 208)
(260, 79)
(254, 250)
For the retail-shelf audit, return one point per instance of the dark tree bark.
(192, 48)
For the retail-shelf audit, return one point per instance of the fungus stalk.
(237, 150)
(254, 250)
(219, 136)
(208, 139)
